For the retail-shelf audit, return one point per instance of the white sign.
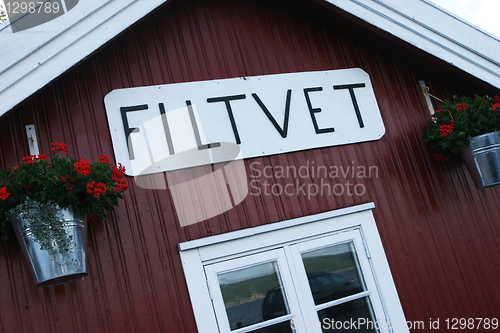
(175, 126)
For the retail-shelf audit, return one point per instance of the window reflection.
(333, 273)
(354, 316)
(252, 295)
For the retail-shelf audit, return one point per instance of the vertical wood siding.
(440, 234)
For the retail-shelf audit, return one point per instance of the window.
(322, 273)
(253, 293)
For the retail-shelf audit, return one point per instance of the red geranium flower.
(3, 193)
(118, 172)
(67, 183)
(440, 158)
(104, 159)
(83, 167)
(90, 186)
(462, 106)
(447, 129)
(62, 147)
(100, 188)
(28, 159)
(33, 158)
(121, 185)
(14, 168)
(96, 188)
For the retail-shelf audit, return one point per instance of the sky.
(482, 13)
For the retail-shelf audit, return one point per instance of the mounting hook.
(32, 141)
(425, 91)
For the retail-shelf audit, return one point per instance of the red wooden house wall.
(440, 234)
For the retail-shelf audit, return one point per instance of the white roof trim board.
(32, 58)
(428, 27)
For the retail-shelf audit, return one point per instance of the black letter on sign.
(353, 97)
(166, 128)
(229, 111)
(126, 127)
(312, 111)
(283, 131)
(197, 132)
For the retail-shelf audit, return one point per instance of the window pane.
(252, 295)
(350, 316)
(333, 272)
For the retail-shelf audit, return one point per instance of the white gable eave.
(432, 29)
(32, 58)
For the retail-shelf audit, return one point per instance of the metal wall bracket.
(425, 91)
(32, 141)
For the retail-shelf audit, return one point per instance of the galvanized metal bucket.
(482, 159)
(65, 267)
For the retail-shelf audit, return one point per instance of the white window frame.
(276, 255)
(342, 237)
(200, 253)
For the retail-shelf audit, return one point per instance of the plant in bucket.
(46, 201)
(469, 126)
